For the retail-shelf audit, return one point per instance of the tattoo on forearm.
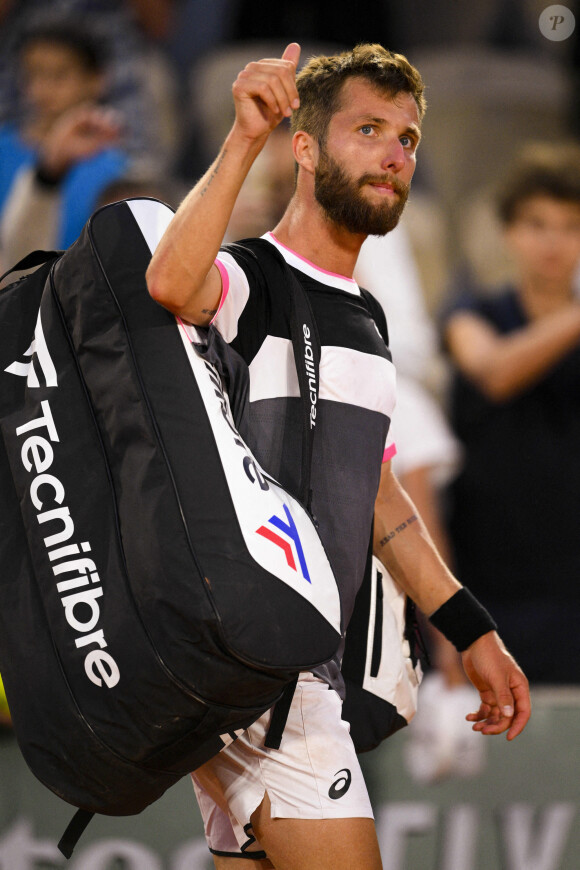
(397, 530)
(213, 173)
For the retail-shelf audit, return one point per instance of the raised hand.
(265, 93)
(182, 274)
(81, 132)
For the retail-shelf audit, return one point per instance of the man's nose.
(394, 157)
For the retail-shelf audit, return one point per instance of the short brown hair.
(320, 83)
(540, 169)
(70, 34)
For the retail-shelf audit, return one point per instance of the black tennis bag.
(158, 591)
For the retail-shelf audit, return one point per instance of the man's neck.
(305, 229)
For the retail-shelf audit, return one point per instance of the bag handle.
(35, 258)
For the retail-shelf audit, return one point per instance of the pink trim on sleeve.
(225, 285)
(390, 451)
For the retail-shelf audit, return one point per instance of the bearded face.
(344, 203)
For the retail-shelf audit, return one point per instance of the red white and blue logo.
(289, 534)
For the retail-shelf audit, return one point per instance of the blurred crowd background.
(103, 99)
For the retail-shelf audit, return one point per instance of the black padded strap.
(280, 716)
(36, 258)
(306, 345)
(74, 832)
(251, 856)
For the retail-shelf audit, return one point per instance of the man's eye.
(406, 142)
(367, 129)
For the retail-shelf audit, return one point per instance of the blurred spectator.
(441, 744)
(139, 81)
(387, 267)
(428, 454)
(515, 405)
(53, 165)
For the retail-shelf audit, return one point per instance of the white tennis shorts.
(314, 775)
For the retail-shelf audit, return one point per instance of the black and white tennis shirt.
(356, 397)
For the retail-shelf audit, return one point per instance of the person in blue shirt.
(54, 164)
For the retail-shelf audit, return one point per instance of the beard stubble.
(342, 200)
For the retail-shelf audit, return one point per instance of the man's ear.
(306, 151)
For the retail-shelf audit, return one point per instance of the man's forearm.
(403, 544)
(186, 252)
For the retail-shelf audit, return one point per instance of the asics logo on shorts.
(341, 786)
(290, 531)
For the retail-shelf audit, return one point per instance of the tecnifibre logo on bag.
(77, 580)
(38, 357)
(76, 576)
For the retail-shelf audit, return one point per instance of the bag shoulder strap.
(74, 831)
(377, 313)
(306, 347)
(36, 258)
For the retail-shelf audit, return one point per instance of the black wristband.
(462, 619)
